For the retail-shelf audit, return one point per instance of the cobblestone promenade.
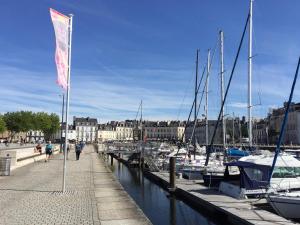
(32, 194)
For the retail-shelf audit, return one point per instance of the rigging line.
(137, 113)
(204, 69)
(206, 80)
(202, 75)
(226, 93)
(185, 94)
(277, 151)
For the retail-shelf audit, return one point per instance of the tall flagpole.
(67, 102)
(62, 122)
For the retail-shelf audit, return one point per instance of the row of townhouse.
(234, 131)
(82, 129)
(266, 131)
(133, 130)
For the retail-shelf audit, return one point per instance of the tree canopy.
(49, 124)
(24, 121)
(2, 125)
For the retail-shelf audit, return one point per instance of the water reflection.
(160, 207)
(172, 210)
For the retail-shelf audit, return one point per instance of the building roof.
(85, 119)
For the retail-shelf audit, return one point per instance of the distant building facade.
(72, 135)
(34, 136)
(267, 131)
(107, 132)
(129, 130)
(232, 136)
(124, 130)
(86, 129)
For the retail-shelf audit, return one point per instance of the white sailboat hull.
(286, 206)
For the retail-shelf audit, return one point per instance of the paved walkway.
(31, 195)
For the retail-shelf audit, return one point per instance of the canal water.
(155, 202)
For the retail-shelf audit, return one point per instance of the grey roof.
(87, 119)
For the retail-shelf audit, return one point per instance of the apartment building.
(86, 129)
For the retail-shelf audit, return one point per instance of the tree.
(2, 125)
(24, 121)
(16, 122)
(48, 124)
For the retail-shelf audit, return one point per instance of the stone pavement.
(32, 194)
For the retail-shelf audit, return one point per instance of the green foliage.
(49, 124)
(2, 125)
(23, 121)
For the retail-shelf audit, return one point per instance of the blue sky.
(125, 51)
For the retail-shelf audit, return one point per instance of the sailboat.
(277, 177)
(213, 176)
(287, 204)
(194, 167)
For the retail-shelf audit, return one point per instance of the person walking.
(49, 150)
(78, 150)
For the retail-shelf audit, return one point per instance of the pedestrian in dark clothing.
(77, 150)
(81, 144)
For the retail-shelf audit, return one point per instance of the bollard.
(111, 160)
(172, 171)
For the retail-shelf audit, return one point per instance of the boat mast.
(222, 85)
(206, 98)
(195, 105)
(250, 76)
(141, 121)
(233, 120)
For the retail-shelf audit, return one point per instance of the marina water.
(156, 203)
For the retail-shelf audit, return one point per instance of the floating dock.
(236, 211)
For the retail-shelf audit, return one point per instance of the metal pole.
(67, 103)
(206, 99)
(250, 77)
(222, 85)
(172, 171)
(233, 120)
(62, 122)
(195, 116)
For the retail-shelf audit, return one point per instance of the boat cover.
(254, 170)
(236, 152)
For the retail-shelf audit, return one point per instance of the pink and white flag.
(61, 29)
